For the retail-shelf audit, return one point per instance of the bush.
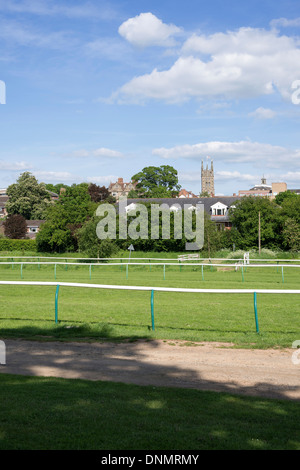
(7, 244)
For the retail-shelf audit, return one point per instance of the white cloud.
(292, 177)
(55, 176)
(17, 166)
(17, 33)
(102, 180)
(263, 113)
(48, 8)
(246, 63)
(99, 152)
(148, 30)
(233, 152)
(235, 175)
(104, 152)
(285, 22)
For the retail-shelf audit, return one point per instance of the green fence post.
(56, 303)
(282, 274)
(255, 312)
(202, 272)
(90, 270)
(152, 309)
(55, 271)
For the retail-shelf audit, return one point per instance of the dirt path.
(203, 366)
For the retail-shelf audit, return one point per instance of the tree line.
(70, 222)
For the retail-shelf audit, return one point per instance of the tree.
(291, 234)
(291, 208)
(63, 217)
(90, 244)
(244, 217)
(28, 198)
(157, 181)
(281, 197)
(55, 188)
(98, 193)
(15, 226)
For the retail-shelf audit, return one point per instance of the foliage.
(28, 198)
(56, 188)
(64, 217)
(15, 226)
(281, 197)
(157, 181)
(7, 244)
(245, 220)
(291, 234)
(98, 193)
(90, 244)
(291, 208)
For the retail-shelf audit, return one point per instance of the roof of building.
(206, 201)
(261, 187)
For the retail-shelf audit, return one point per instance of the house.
(217, 208)
(183, 193)
(33, 227)
(119, 188)
(3, 202)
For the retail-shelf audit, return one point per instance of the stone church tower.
(208, 180)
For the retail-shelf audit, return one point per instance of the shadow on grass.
(82, 351)
(76, 414)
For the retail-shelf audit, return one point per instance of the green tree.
(68, 213)
(244, 217)
(28, 198)
(291, 208)
(155, 181)
(291, 234)
(281, 197)
(91, 245)
(56, 188)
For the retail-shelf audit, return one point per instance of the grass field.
(48, 413)
(114, 314)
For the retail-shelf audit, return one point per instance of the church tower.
(207, 180)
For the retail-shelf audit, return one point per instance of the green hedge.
(7, 244)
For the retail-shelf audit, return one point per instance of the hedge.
(7, 244)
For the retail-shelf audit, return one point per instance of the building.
(183, 193)
(119, 188)
(207, 180)
(3, 202)
(264, 189)
(217, 208)
(33, 226)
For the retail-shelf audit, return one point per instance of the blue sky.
(96, 90)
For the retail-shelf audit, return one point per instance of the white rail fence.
(255, 292)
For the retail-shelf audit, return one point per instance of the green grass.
(114, 314)
(49, 413)
(53, 414)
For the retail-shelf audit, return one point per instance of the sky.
(94, 90)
